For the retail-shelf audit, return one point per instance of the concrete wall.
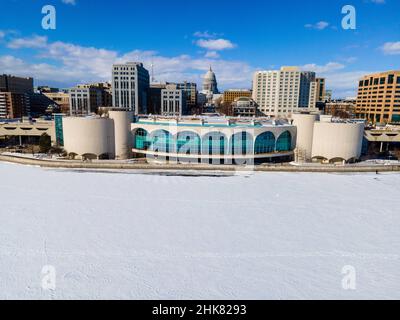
(305, 133)
(26, 129)
(337, 140)
(123, 135)
(90, 135)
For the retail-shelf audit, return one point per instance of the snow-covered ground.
(136, 236)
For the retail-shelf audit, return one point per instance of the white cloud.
(343, 83)
(31, 43)
(321, 25)
(2, 34)
(378, 1)
(215, 44)
(391, 48)
(206, 34)
(212, 54)
(71, 64)
(329, 67)
(72, 2)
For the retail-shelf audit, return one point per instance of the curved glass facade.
(188, 142)
(265, 143)
(284, 142)
(162, 141)
(242, 143)
(212, 143)
(142, 141)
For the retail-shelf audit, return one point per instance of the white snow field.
(136, 236)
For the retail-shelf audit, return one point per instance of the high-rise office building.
(173, 101)
(130, 83)
(378, 98)
(15, 94)
(282, 92)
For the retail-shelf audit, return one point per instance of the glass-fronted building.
(214, 140)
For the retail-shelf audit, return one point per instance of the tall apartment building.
(231, 95)
(282, 92)
(14, 105)
(321, 89)
(15, 95)
(378, 98)
(130, 85)
(84, 100)
(173, 101)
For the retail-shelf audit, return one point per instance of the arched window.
(142, 141)
(162, 141)
(214, 143)
(188, 142)
(265, 143)
(284, 142)
(242, 143)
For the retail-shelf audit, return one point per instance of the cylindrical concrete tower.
(123, 134)
(89, 137)
(305, 132)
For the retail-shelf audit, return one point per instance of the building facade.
(61, 98)
(321, 89)
(378, 99)
(15, 96)
(190, 89)
(283, 92)
(213, 140)
(244, 107)
(14, 105)
(173, 101)
(14, 84)
(130, 85)
(327, 140)
(341, 108)
(84, 100)
(231, 95)
(106, 93)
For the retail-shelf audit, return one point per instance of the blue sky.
(182, 38)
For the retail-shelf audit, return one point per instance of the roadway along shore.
(110, 165)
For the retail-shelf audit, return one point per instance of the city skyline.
(269, 36)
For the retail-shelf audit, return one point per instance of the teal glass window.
(142, 141)
(265, 143)
(242, 143)
(58, 119)
(396, 118)
(188, 142)
(162, 141)
(284, 142)
(214, 143)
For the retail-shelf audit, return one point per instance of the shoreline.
(108, 165)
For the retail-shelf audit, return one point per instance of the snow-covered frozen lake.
(135, 236)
